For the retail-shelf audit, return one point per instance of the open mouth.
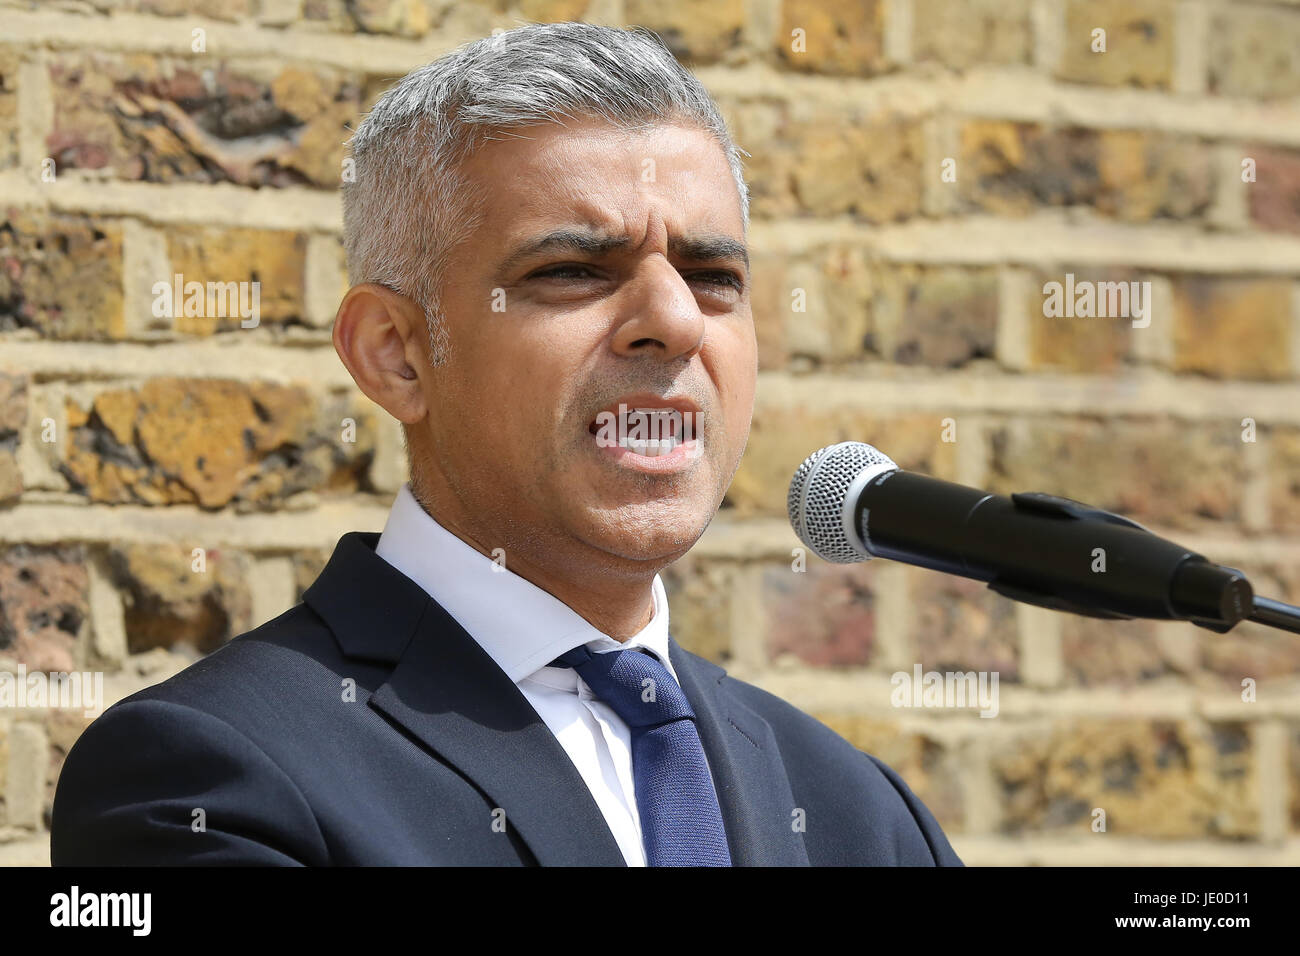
(650, 432)
(649, 428)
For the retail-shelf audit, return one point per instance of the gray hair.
(407, 204)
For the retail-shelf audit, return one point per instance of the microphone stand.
(1208, 595)
(1285, 617)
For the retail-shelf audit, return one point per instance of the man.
(546, 239)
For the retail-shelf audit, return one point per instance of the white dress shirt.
(523, 628)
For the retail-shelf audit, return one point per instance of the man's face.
(609, 269)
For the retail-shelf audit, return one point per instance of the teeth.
(651, 447)
(656, 421)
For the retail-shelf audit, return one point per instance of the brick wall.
(920, 169)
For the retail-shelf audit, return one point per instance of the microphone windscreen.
(818, 492)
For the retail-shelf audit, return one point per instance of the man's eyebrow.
(595, 244)
(710, 249)
(565, 240)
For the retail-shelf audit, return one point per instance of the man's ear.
(380, 336)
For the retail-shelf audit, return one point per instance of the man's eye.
(720, 278)
(562, 272)
(717, 277)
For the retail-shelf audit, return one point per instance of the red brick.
(198, 119)
(1274, 197)
(823, 616)
(44, 606)
(960, 625)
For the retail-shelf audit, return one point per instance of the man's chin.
(655, 531)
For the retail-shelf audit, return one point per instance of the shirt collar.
(520, 626)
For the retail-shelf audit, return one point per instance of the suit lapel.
(748, 773)
(451, 695)
(446, 691)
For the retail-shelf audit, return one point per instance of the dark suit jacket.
(259, 736)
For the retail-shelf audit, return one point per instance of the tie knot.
(638, 688)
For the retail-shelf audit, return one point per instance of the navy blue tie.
(681, 824)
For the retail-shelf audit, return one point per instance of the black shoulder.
(152, 782)
(276, 683)
(849, 782)
(261, 663)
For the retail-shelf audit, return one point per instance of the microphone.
(850, 502)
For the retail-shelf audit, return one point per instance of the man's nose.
(661, 315)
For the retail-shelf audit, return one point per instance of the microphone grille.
(817, 495)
